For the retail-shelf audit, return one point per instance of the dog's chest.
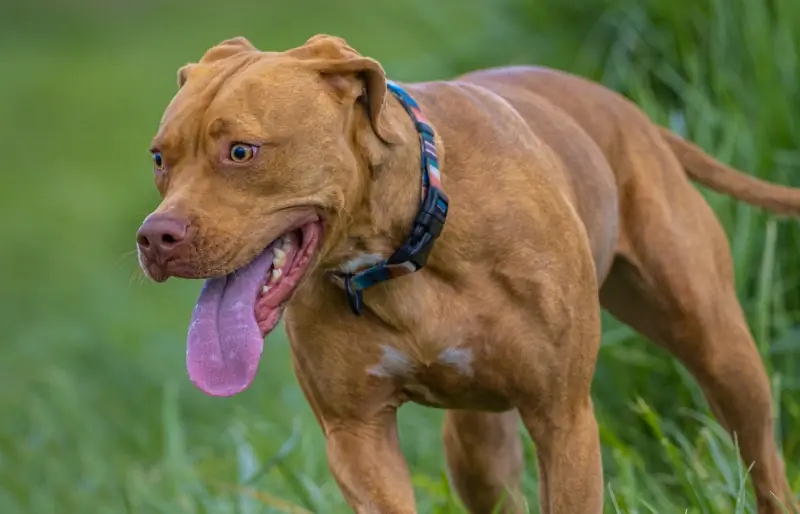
(453, 379)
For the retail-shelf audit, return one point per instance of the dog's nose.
(160, 236)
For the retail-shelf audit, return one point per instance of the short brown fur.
(564, 198)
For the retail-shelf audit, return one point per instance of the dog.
(449, 243)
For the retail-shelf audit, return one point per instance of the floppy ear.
(228, 48)
(352, 76)
(183, 73)
(225, 49)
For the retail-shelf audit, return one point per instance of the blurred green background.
(97, 414)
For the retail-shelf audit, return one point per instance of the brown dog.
(278, 168)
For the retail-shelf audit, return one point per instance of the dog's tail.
(710, 172)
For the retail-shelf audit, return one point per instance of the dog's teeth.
(265, 289)
(287, 244)
(276, 275)
(278, 258)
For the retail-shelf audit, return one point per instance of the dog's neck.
(386, 196)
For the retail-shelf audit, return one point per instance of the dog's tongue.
(224, 343)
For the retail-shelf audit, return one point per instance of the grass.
(97, 413)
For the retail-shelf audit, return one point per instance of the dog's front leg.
(357, 411)
(366, 461)
(568, 454)
(554, 402)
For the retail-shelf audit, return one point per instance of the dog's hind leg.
(672, 281)
(484, 457)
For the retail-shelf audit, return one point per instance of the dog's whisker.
(123, 257)
(137, 277)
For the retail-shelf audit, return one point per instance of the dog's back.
(649, 165)
(618, 127)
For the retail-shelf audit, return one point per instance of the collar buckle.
(428, 224)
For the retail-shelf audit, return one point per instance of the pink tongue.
(224, 343)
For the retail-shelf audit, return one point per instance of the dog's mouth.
(235, 313)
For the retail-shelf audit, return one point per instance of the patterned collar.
(428, 224)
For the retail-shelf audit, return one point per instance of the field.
(98, 415)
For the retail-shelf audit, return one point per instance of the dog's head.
(257, 159)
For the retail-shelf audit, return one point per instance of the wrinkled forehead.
(263, 97)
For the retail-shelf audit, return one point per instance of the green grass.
(97, 413)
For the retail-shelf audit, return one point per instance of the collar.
(428, 223)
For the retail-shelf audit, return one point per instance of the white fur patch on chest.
(396, 364)
(459, 358)
(415, 378)
(361, 261)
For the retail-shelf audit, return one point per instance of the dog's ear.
(352, 77)
(183, 73)
(227, 48)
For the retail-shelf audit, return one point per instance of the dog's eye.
(158, 161)
(241, 152)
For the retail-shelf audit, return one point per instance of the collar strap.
(428, 223)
